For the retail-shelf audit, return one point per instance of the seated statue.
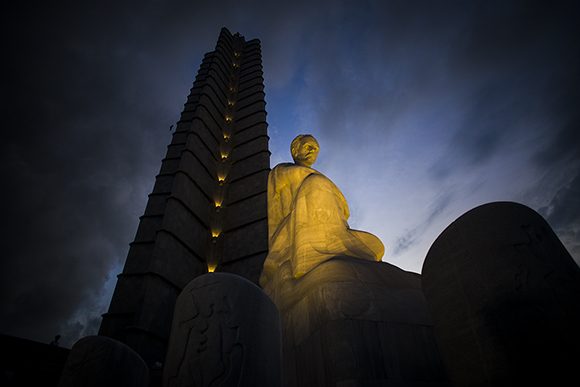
(347, 318)
(307, 220)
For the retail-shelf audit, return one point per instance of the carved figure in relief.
(225, 332)
(213, 355)
(307, 220)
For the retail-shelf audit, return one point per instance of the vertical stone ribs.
(208, 208)
(245, 164)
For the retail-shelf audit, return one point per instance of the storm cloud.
(423, 110)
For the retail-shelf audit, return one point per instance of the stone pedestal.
(505, 297)
(225, 332)
(351, 322)
(97, 361)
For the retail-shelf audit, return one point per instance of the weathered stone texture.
(96, 361)
(351, 322)
(505, 298)
(226, 332)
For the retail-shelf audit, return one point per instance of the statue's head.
(304, 149)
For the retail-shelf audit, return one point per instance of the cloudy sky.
(423, 110)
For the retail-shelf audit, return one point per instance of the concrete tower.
(208, 208)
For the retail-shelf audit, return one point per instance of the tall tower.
(208, 208)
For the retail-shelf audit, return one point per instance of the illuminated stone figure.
(336, 298)
(307, 220)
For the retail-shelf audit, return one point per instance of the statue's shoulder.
(282, 166)
(293, 168)
(290, 173)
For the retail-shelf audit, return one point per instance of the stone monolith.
(505, 298)
(225, 332)
(98, 361)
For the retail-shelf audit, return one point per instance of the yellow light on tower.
(221, 178)
(218, 203)
(231, 103)
(224, 156)
(226, 136)
(211, 267)
(228, 119)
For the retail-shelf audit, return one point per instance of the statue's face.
(307, 152)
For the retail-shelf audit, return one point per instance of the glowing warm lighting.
(224, 156)
(228, 119)
(300, 238)
(235, 65)
(215, 233)
(218, 205)
(231, 103)
(211, 267)
(226, 136)
(221, 178)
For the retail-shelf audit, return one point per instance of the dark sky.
(423, 110)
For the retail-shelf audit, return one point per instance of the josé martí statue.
(307, 219)
(330, 285)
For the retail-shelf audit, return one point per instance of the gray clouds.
(411, 237)
(563, 214)
(423, 110)
(78, 154)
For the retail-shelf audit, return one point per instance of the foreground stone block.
(225, 332)
(505, 297)
(351, 322)
(98, 361)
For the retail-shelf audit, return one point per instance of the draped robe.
(307, 225)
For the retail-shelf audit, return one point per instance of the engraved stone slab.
(98, 361)
(225, 332)
(505, 298)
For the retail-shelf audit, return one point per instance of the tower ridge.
(187, 229)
